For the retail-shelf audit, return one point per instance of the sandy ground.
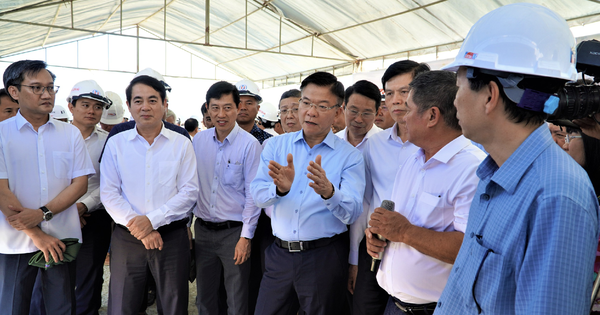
(152, 309)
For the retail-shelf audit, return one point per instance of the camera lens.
(578, 102)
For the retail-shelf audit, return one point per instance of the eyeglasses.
(364, 115)
(568, 138)
(39, 90)
(320, 108)
(293, 110)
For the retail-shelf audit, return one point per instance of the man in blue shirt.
(315, 181)
(532, 234)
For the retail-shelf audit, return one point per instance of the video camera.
(580, 101)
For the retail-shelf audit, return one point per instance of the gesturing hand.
(320, 184)
(283, 176)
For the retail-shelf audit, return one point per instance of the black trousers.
(369, 298)
(317, 277)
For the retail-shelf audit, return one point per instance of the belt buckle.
(291, 250)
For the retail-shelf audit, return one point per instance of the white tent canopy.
(275, 41)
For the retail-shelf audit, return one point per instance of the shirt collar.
(232, 134)
(344, 133)
(511, 172)
(449, 150)
(393, 134)
(329, 139)
(21, 121)
(163, 132)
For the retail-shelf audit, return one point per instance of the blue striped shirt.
(531, 239)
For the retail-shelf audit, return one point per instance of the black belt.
(165, 228)
(295, 247)
(217, 226)
(415, 309)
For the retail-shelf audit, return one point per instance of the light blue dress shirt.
(225, 170)
(531, 239)
(302, 214)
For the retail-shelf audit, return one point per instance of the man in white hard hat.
(114, 114)
(532, 235)
(249, 106)
(87, 102)
(8, 106)
(44, 170)
(59, 113)
(268, 116)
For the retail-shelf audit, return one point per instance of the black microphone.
(387, 205)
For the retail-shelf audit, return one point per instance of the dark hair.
(436, 89)
(325, 79)
(4, 92)
(16, 72)
(291, 93)
(149, 81)
(402, 67)
(366, 89)
(191, 124)
(221, 88)
(204, 108)
(518, 114)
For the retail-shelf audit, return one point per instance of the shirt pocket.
(483, 268)
(167, 173)
(428, 212)
(233, 175)
(63, 164)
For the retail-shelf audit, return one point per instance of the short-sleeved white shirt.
(39, 165)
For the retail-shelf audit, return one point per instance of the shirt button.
(294, 231)
(213, 191)
(147, 183)
(148, 200)
(439, 304)
(485, 197)
(217, 163)
(212, 206)
(296, 210)
(147, 166)
(310, 154)
(44, 189)
(472, 234)
(215, 177)
(43, 172)
(301, 191)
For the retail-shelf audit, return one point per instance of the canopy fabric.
(261, 40)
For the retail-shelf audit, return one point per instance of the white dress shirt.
(225, 171)
(39, 165)
(384, 153)
(94, 144)
(436, 195)
(158, 180)
(343, 134)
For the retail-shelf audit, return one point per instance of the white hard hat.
(88, 89)
(268, 111)
(247, 87)
(114, 114)
(59, 112)
(520, 38)
(155, 74)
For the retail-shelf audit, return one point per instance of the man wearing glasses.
(227, 158)
(315, 181)
(361, 103)
(44, 169)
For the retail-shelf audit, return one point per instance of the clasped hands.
(283, 176)
(141, 228)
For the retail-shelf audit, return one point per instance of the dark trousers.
(90, 262)
(369, 298)
(129, 260)
(17, 279)
(89, 267)
(263, 238)
(393, 309)
(317, 278)
(215, 250)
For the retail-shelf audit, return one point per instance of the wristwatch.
(47, 213)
